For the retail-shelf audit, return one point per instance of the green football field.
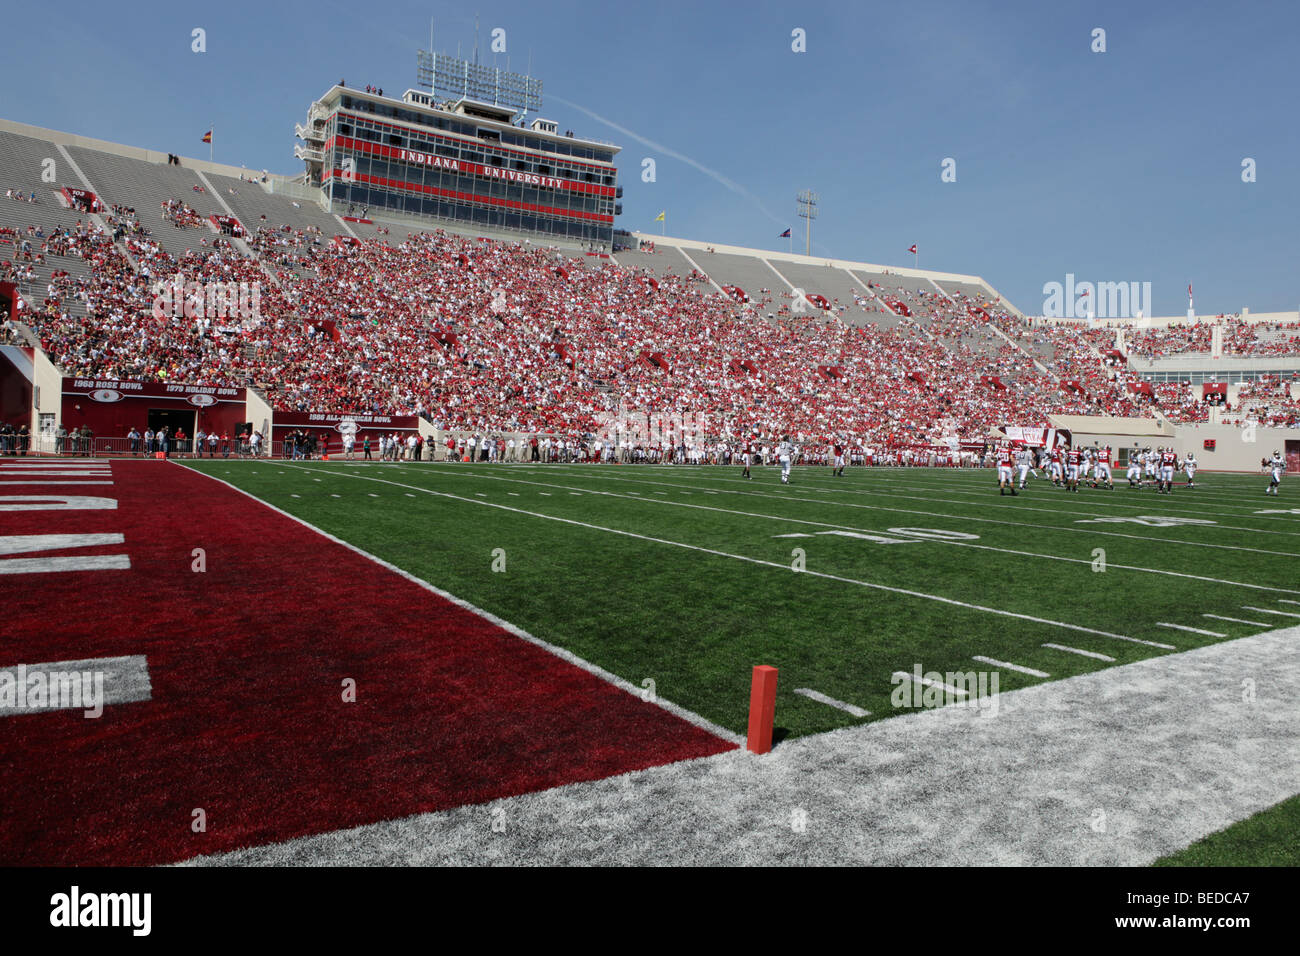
(687, 577)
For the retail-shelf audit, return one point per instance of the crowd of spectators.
(492, 337)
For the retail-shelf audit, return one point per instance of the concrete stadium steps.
(833, 283)
(16, 215)
(977, 294)
(667, 260)
(250, 202)
(22, 160)
(144, 186)
(749, 273)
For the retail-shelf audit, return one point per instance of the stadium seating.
(514, 336)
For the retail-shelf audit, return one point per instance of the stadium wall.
(1236, 449)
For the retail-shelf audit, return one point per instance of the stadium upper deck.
(465, 161)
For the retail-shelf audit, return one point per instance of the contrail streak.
(730, 184)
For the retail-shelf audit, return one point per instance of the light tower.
(808, 212)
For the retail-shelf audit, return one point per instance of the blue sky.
(1115, 166)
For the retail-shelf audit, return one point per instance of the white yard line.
(771, 564)
(832, 702)
(1148, 539)
(1236, 620)
(1247, 607)
(1011, 667)
(966, 544)
(1192, 630)
(928, 682)
(1075, 650)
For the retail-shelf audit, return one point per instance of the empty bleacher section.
(145, 187)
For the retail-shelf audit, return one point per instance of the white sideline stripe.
(43, 481)
(774, 564)
(1011, 667)
(332, 496)
(965, 504)
(88, 562)
(832, 702)
(930, 683)
(1285, 601)
(1075, 650)
(1193, 630)
(512, 494)
(1236, 620)
(1247, 607)
(962, 544)
(547, 493)
(125, 680)
(19, 543)
(372, 494)
(299, 496)
(568, 656)
(409, 495)
(58, 472)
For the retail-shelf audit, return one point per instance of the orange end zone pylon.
(762, 709)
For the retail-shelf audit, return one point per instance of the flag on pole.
(207, 137)
(913, 249)
(1189, 290)
(784, 235)
(662, 217)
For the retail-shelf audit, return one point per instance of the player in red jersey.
(1073, 459)
(838, 468)
(1006, 462)
(1168, 465)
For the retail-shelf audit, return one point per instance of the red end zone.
(247, 660)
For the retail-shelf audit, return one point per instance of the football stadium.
(412, 501)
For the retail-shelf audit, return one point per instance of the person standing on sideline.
(365, 448)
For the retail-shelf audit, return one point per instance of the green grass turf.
(1266, 839)
(696, 622)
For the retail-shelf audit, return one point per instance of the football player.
(1102, 467)
(1276, 465)
(1168, 464)
(1023, 462)
(1073, 458)
(1006, 460)
(785, 454)
(1134, 473)
(1189, 466)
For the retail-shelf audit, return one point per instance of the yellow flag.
(660, 217)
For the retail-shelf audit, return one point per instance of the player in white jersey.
(1189, 466)
(785, 453)
(1276, 466)
(1134, 474)
(1023, 463)
(1149, 464)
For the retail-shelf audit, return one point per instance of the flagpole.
(212, 141)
